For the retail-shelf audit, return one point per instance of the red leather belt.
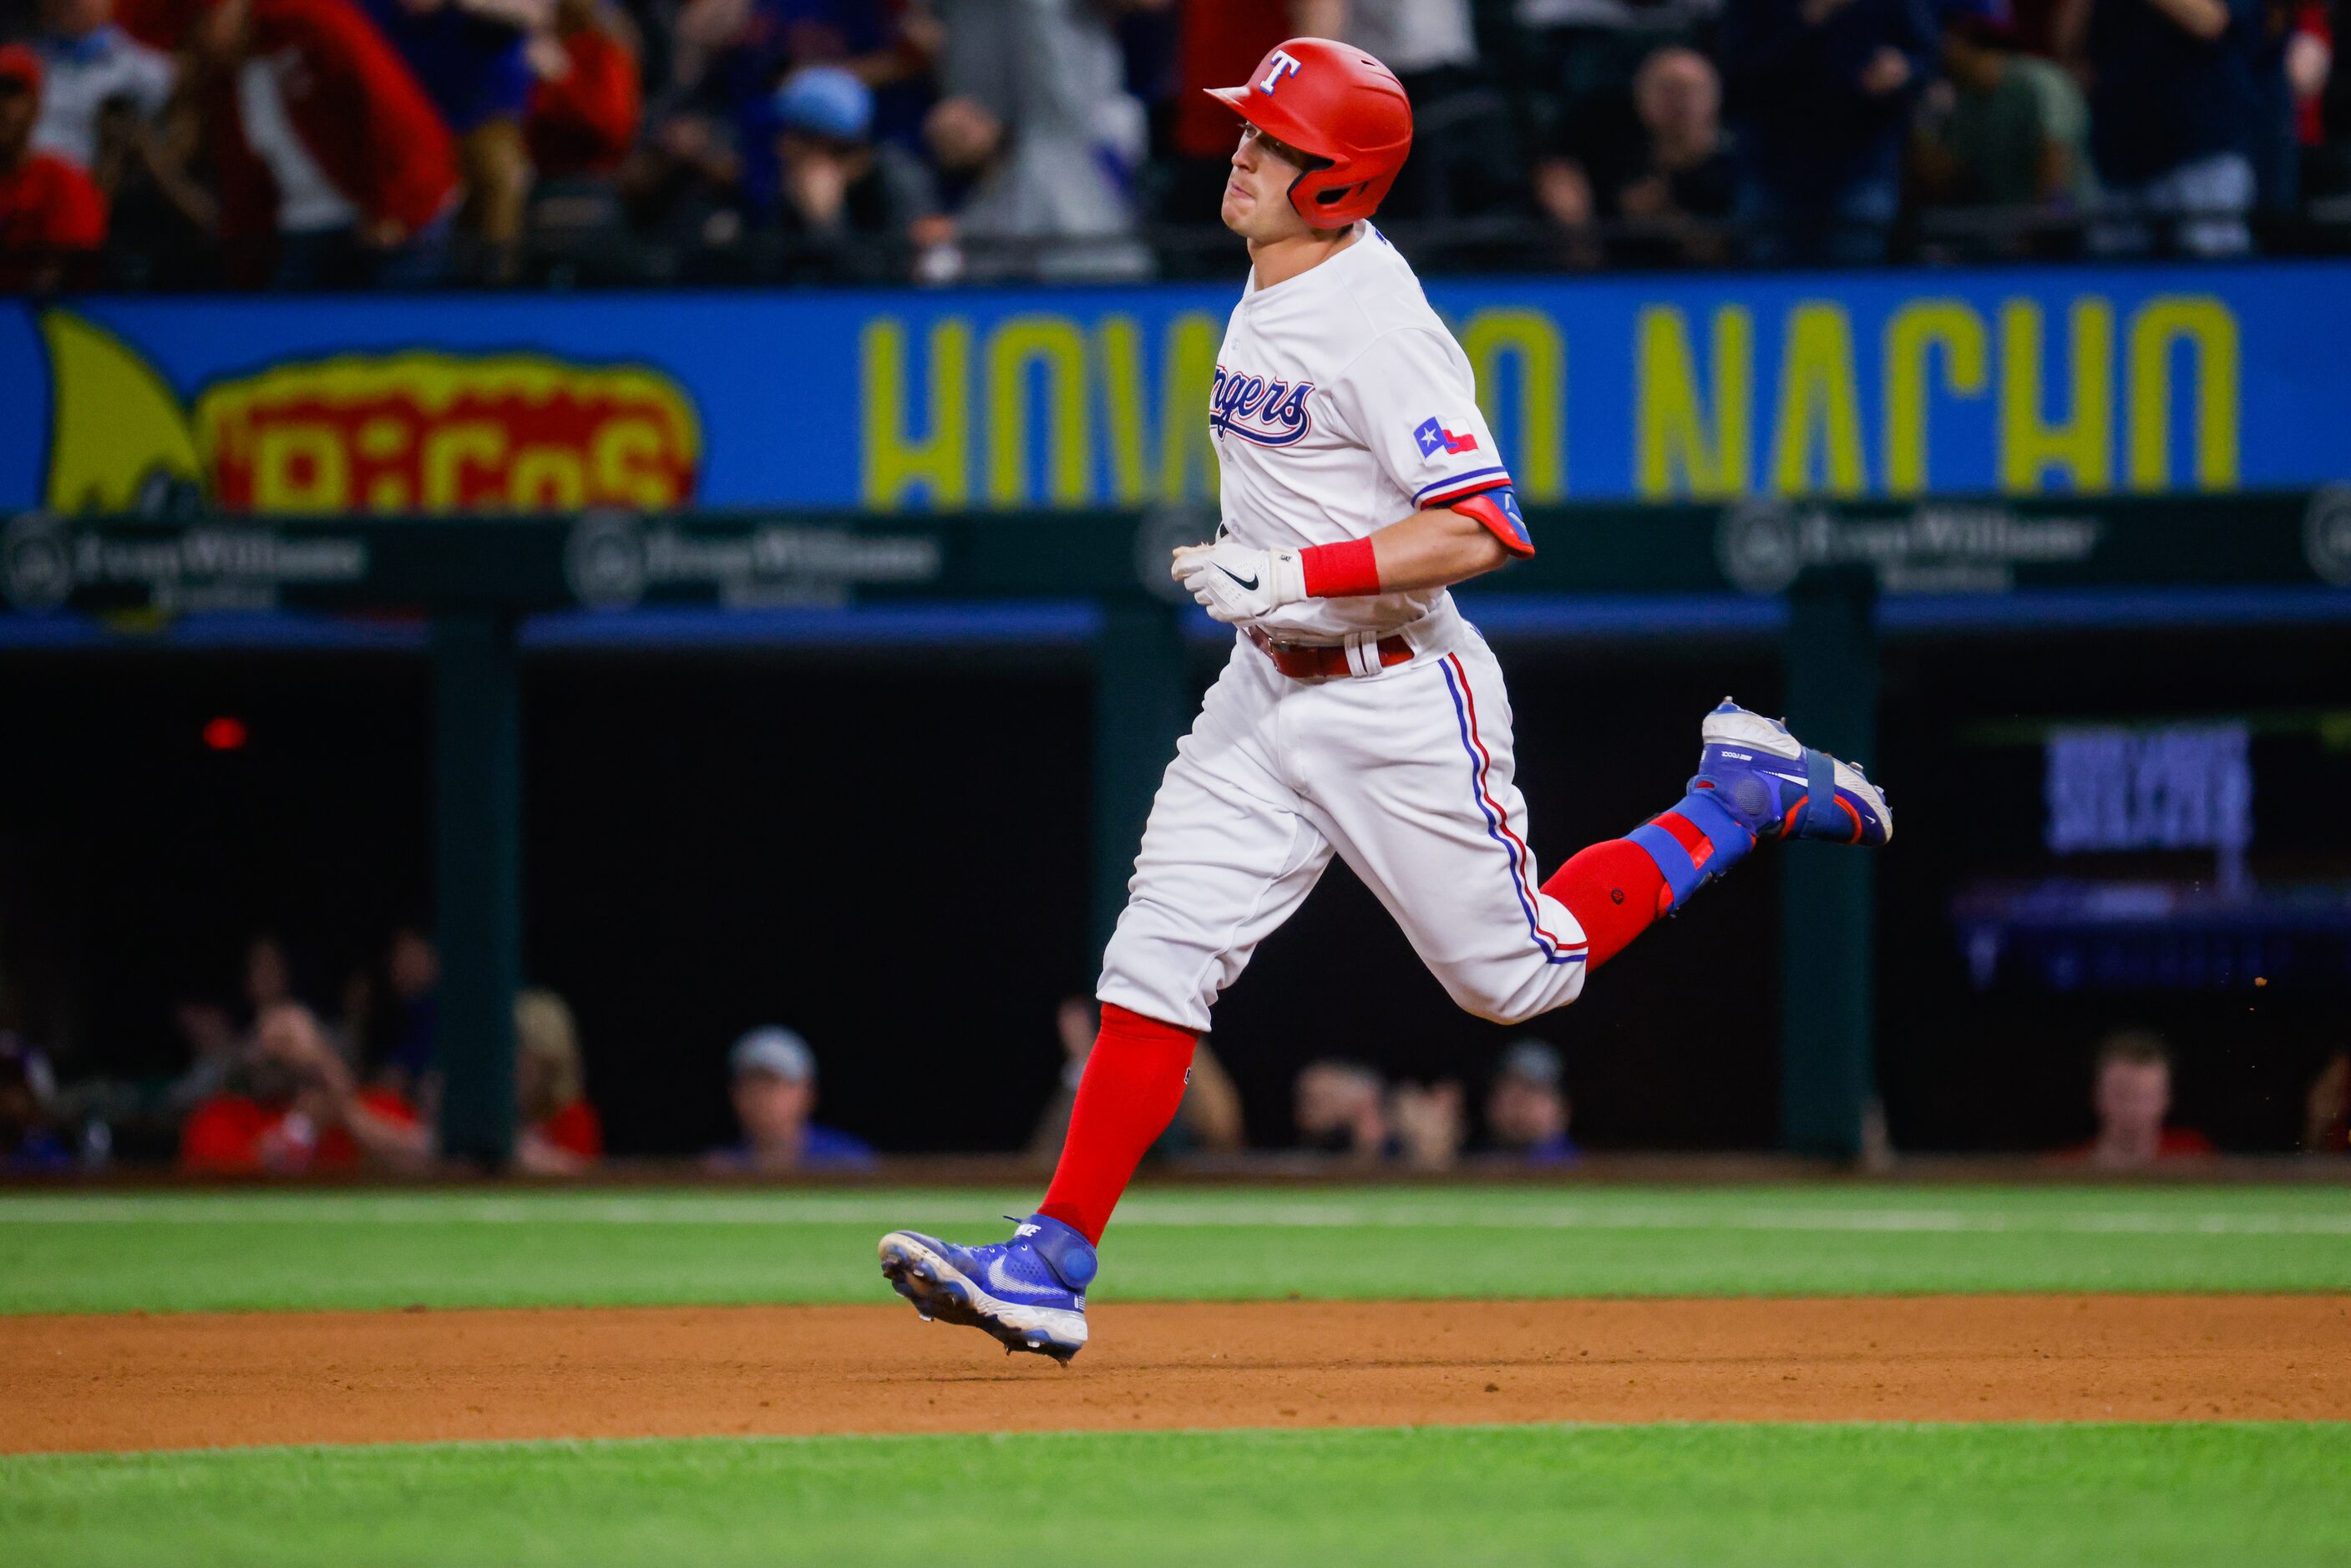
(1321, 661)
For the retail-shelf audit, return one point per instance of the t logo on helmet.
(1284, 64)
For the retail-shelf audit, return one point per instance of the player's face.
(1257, 193)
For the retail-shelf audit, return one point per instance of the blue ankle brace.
(1065, 1252)
(1727, 842)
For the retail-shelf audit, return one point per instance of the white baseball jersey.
(1344, 405)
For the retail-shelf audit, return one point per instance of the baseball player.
(1359, 715)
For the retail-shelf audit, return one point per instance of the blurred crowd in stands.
(271, 1084)
(195, 143)
(268, 1085)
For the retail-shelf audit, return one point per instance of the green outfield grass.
(113, 1253)
(1652, 1496)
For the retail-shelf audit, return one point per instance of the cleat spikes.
(1017, 1295)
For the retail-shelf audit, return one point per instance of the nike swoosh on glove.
(1236, 583)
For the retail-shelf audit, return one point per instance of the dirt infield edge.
(121, 1382)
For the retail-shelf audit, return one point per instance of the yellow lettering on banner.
(1187, 379)
(447, 450)
(300, 468)
(2207, 326)
(630, 462)
(1671, 430)
(1533, 343)
(1820, 408)
(385, 440)
(388, 491)
(896, 461)
(1912, 333)
(548, 479)
(1053, 342)
(1118, 347)
(2082, 445)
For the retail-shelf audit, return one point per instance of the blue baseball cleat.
(1778, 787)
(1030, 1291)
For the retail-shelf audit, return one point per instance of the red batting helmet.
(1336, 103)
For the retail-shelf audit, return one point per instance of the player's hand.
(1235, 584)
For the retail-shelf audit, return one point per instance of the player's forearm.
(1428, 550)
(1435, 550)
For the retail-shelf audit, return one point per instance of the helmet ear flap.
(1312, 202)
(1337, 205)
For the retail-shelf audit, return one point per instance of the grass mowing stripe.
(1497, 1209)
(2022, 1496)
(287, 1250)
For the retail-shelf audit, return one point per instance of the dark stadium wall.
(137, 861)
(891, 861)
(888, 855)
(2008, 1065)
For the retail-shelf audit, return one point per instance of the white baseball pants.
(1406, 774)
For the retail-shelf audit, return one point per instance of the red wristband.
(1340, 571)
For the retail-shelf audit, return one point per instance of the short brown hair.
(2134, 1048)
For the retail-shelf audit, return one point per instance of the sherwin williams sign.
(2023, 381)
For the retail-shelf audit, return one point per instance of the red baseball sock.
(1615, 892)
(1133, 1084)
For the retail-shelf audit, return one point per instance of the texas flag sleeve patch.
(1434, 438)
(1412, 400)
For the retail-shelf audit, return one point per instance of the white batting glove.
(1235, 584)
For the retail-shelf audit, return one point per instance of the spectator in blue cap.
(1527, 1108)
(827, 102)
(844, 205)
(774, 1091)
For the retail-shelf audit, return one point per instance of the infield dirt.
(200, 1380)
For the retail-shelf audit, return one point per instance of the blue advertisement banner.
(2024, 382)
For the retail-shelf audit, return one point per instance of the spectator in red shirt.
(52, 219)
(291, 1109)
(335, 168)
(587, 103)
(2327, 1129)
(560, 1133)
(2131, 1097)
(1221, 43)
